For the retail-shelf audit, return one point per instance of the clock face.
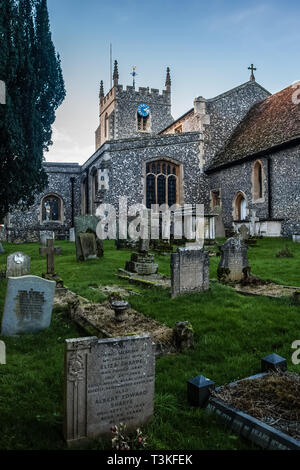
(143, 110)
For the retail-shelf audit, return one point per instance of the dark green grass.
(232, 333)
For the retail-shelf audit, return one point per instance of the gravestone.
(72, 234)
(219, 222)
(17, 265)
(88, 246)
(28, 305)
(296, 238)
(87, 224)
(233, 260)
(46, 235)
(244, 232)
(107, 381)
(253, 220)
(1, 249)
(189, 271)
(2, 353)
(50, 251)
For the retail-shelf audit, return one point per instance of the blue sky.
(207, 44)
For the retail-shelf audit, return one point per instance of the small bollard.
(273, 362)
(199, 390)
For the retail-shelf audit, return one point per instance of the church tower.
(130, 113)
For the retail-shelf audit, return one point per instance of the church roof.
(268, 124)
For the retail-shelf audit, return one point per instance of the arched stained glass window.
(161, 189)
(172, 195)
(150, 190)
(161, 183)
(51, 208)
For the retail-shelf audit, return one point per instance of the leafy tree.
(35, 88)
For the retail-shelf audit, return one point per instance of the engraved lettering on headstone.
(29, 305)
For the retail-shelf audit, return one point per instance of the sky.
(208, 46)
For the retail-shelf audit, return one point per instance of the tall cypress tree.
(35, 88)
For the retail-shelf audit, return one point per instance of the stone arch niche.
(163, 182)
(52, 209)
(258, 189)
(240, 206)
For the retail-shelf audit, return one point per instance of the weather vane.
(134, 74)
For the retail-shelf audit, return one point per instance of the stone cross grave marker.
(17, 265)
(28, 305)
(189, 271)
(107, 381)
(253, 220)
(2, 353)
(50, 251)
(244, 232)
(233, 260)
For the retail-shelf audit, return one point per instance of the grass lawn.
(232, 334)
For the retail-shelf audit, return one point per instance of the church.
(235, 153)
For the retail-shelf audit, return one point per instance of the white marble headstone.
(17, 265)
(2, 353)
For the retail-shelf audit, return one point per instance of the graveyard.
(232, 332)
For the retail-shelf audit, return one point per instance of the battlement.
(142, 94)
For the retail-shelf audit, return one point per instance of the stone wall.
(26, 225)
(285, 190)
(125, 161)
(127, 101)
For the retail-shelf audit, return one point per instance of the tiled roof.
(270, 123)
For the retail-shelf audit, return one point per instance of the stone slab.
(72, 235)
(107, 381)
(28, 305)
(17, 265)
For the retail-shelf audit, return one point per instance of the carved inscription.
(115, 383)
(29, 305)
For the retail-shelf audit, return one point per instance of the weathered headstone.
(28, 305)
(296, 238)
(17, 265)
(46, 235)
(87, 224)
(244, 232)
(1, 249)
(72, 234)
(107, 381)
(233, 260)
(50, 251)
(2, 353)
(253, 220)
(219, 222)
(189, 271)
(88, 246)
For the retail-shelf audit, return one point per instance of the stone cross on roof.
(252, 68)
(2, 92)
(50, 251)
